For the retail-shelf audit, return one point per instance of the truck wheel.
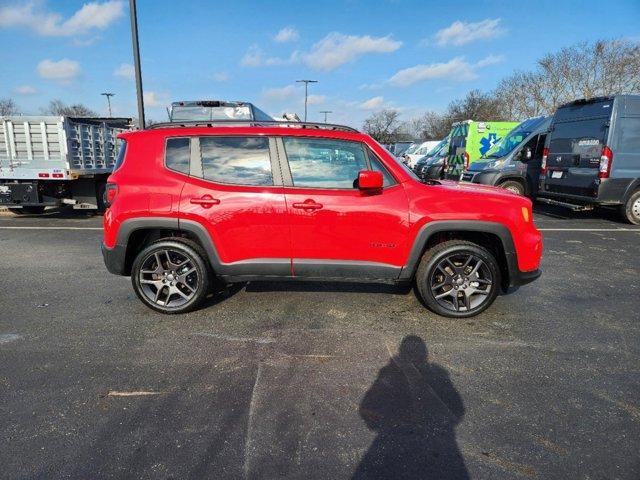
(631, 209)
(101, 189)
(171, 276)
(513, 186)
(458, 279)
(31, 210)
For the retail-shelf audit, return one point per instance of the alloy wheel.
(461, 282)
(168, 278)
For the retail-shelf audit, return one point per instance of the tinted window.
(237, 160)
(584, 137)
(376, 165)
(122, 149)
(322, 163)
(629, 135)
(178, 154)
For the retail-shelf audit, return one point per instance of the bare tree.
(58, 107)
(384, 126)
(8, 107)
(586, 70)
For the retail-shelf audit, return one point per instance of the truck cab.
(469, 140)
(592, 155)
(514, 162)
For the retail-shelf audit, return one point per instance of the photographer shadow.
(414, 409)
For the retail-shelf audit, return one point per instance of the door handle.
(308, 205)
(206, 201)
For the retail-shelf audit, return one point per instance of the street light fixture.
(306, 93)
(325, 114)
(109, 95)
(136, 62)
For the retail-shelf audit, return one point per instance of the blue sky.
(366, 55)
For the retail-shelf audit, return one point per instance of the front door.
(336, 229)
(235, 192)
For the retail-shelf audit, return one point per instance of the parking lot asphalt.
(318, 381)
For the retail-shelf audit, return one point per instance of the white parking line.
(50, 228)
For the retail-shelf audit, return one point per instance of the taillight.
(110, 194)
(606, 159)
(545, 154)
(466, 160)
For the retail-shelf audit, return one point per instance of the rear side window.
(122, 149)
(236, 160)
(323, 163)
(178, 154)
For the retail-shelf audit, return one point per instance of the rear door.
(576, 139)
(336, 229)
(236, 192)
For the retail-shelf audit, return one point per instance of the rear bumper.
(610, 191)
(114, 258)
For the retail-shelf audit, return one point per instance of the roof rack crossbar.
(252, 123)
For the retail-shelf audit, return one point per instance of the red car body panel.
(247, 222)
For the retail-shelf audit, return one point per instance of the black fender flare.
(632, 187)
(439, 226)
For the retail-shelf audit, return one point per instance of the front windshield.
(411, 149)
(439, 150)
(506, 144)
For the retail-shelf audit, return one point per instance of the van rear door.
(578, 134)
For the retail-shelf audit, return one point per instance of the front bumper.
(115, 258)
(482, 177)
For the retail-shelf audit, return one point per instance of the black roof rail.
(253, 123)
(584, 101)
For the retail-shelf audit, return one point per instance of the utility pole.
(136, 62)
(109, 95)
(325, 114)
(306, 93)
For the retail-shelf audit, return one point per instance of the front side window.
(178, 154)
(236, 160)
(324, 163)
(377, 166)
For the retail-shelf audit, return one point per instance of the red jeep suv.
(194, 206)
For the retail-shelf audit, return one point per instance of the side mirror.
(368, 180)
(525, 154)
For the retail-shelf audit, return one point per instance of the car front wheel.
(171, 276)
(458, 279)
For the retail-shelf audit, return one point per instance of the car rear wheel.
(513, 186)
(458, 279)
(631, 209)
(171, 276)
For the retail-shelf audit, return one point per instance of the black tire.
(479, 285)
(101, 189)
(631, 209)
(513, 186)
(173, 288)
(28, 210)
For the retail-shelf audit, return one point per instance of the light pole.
(325, 114)
(306, 93)
(136, 61)
(109, 95)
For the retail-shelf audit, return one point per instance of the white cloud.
(331, 52)
(154, 99)
(372, 104)
(25, 90)
(92, 16)
(63, 71)
(279, 94)
(287, 34)
(220, 77)
(316, 99)
(490, 60)
(125, 70)
(336, 49)
(460, 33)
(456, 69)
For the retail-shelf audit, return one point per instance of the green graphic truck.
(469, 141)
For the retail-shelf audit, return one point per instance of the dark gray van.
(592, 155)
(514, 162)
